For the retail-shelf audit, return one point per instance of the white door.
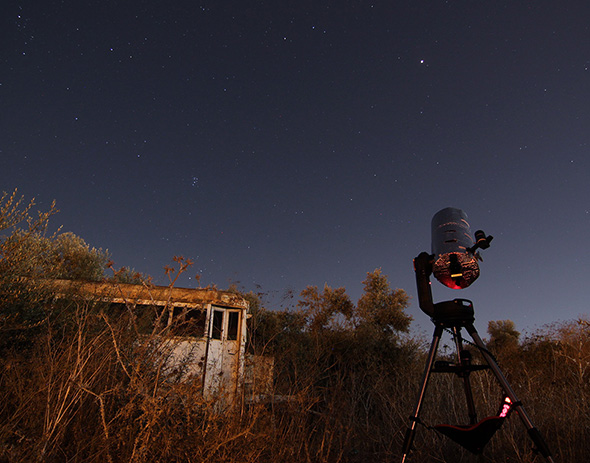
(223, 354)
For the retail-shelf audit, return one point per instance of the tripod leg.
(465, 361)
(411, 431)
(533, 432)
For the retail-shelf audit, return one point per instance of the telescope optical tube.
(455, 265)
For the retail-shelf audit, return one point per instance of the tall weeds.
(85, 390)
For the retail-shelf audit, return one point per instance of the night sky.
(288, 143)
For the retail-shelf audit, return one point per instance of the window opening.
(188, 322)
(233, 325)
(217, 324)
(150, 318)
(195, 318)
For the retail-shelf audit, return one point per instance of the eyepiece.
(481, 240)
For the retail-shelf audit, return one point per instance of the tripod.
(455, 315)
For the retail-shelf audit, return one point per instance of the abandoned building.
(203, 332)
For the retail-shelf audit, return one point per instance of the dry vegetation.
(76, 386)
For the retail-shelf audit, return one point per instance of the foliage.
(63, 255)
(502, 333)
(503, 339)
(28, 258)
(382, 307)
(320, 309)
(341, 362)
(379, 307)
(14, 211)
(27, 252)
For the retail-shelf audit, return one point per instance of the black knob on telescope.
(455, 264)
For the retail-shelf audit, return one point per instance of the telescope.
(454, 262)
(455, 253)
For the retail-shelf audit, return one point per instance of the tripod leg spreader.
(475, 437)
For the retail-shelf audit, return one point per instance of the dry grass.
(84, 390)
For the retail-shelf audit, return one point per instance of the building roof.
(148, 294)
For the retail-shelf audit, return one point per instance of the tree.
(65, 255)
(321, 309)
(19, 297)
(504, 339)
(28, 257)
(379, 307)
(382, 307)
(27, 251)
